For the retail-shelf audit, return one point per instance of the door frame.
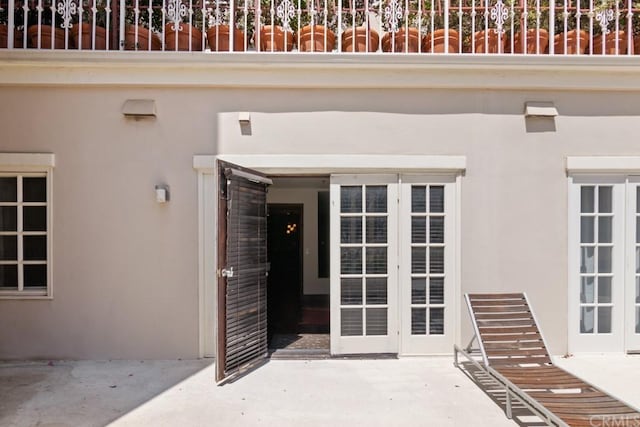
(321, 164)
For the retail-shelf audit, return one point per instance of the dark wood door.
(242, 270)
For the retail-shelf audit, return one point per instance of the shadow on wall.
(540, 124)
(85, 392)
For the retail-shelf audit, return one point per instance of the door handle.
(227, 272)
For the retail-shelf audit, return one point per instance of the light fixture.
(540, 109)
(138, 108)
(162, 193)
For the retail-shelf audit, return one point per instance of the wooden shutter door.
(242, 270)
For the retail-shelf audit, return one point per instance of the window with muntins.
(24, 234)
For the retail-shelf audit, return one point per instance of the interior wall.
(308, 197)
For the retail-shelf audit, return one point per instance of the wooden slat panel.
(488, 338)
(507, 323)
(485, 330)
(502, 309)
(503, 316)
(517, 352)
(518, 361)
(473, 297)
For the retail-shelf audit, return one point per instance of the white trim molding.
(27, 160)
(300, 70)
(603, 164)
(334, 164)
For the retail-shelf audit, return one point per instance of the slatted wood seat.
(514, 353)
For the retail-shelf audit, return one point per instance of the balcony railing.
(530, 27)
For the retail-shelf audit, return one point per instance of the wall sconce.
(162, 193)
(139, 108)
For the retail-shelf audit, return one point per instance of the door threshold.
(366, 356)
(299, 354)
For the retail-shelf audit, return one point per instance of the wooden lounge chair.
(515, 355)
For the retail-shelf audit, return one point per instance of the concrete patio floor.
(425, 391)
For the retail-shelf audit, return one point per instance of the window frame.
(29, 165)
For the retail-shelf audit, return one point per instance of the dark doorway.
(284, 284)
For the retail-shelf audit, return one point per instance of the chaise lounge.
(515, 355)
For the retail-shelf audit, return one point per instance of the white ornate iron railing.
(530, 27)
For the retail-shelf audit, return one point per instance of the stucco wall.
(125, 268)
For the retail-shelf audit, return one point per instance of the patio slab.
(410, 391)
(426, 391)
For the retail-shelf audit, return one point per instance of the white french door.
(393, 264)
(604, 292)
(427, 270)
(632, 296)
(364, 316)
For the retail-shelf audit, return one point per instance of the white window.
(25, 225)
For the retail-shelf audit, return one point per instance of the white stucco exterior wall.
(125, 269)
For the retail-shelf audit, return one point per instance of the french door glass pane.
(351, 230)
(604, 290)
(587, 263)
(419, 260)
(638, 259)
(436, 260)
(351, 322)
(34, 189)
(418, 290)
(605, 229)
(436, 290)
(637, 320)
(376, 290)
(8, 218)
(376, 198)
(436, 321)
(350, 199)
(587, 199)
(637, 290)
(351, 291)
(376, 321)
(8, 189)
(587, 227)
(604, 320)
(376, 229)
(587, 289)
(436, 229)
(605, 199)
(418, 198)
(377, 260)
(9, 276)
(604, 259)
(351, 260)
(418, 321)
(586, 320)
(638, 229)
(419, 229)
(436, 198)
